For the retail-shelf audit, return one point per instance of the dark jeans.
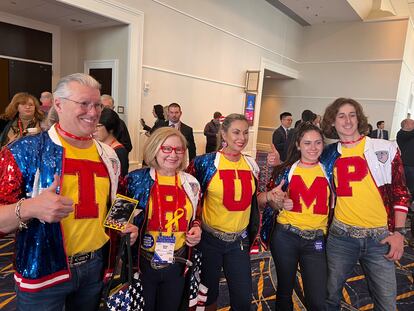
(81, 293)
(163, 288)
(234, 257)
(343, 254)
(409, 179)
(288, 249)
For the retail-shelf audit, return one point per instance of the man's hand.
(193, 236)
(47, 206)
(396, 243)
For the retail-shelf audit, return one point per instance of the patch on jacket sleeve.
(382, 156)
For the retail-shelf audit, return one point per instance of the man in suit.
(280, 135)
(123, 134)
(174, 114)
(380, 132)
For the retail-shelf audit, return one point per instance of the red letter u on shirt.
(228, 177)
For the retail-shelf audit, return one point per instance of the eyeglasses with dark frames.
(85, 106)
(170, 149)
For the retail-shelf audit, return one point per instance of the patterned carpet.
(356, 296)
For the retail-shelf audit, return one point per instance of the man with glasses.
(55, 190)
(281, 134)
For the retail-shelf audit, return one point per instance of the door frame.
(105, 64)
(135, 20)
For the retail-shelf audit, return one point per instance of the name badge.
(164, 250)
(319, 245)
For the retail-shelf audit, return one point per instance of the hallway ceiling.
(56, 13)
(312, 12)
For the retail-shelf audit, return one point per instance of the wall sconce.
(252, 80)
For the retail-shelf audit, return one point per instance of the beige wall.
(196, 53)
(405, 102)
(358, 60)
(108, 43)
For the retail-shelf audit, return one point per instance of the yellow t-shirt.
(86, 182)
(359, 202)
(309, 191)
(176, 213)
(228, 200)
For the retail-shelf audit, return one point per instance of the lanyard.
(178, 213)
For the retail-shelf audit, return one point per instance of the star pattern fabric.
(128, 298)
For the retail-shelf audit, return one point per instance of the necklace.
(81, 138)
(230, 154)
(352, 141)
(309, 163)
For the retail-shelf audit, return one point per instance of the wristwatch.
(401, 230)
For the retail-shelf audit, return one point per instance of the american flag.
(128, 298)
(198, 292)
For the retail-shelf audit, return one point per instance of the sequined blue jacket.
(27, 166)
(205, 166)
(139, 187)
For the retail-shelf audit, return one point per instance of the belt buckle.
(79, 259)
(308, 235)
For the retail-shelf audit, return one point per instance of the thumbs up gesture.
(273, 157)
(276, 196)
(49, 206)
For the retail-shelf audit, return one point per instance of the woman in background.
(158, 113)
(22, 117)
(168, 199)
(106, 132)
(230, 215)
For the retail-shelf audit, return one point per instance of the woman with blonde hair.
(168, 199)
(22, 117)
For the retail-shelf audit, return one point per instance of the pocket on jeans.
(338, 232)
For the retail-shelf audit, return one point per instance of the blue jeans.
(344, 252)
(81, 293)
(163, 288)
(234, 257)
(288, 249)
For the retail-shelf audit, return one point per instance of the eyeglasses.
(85, 106)
(169, 149)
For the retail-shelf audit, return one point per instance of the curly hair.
(21, 98)
(332, 110)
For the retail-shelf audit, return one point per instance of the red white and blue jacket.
(27, 166)
(204, 167)
(385, 165)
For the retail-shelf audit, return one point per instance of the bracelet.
(22, 224)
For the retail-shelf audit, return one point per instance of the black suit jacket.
(374, 134)
(123, 136)
(187, 131)
(279, 141)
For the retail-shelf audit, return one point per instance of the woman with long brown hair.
(22, 117)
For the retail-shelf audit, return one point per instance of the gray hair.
(106, 96)
(62, 89)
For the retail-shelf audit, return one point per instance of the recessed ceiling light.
(268, 76)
